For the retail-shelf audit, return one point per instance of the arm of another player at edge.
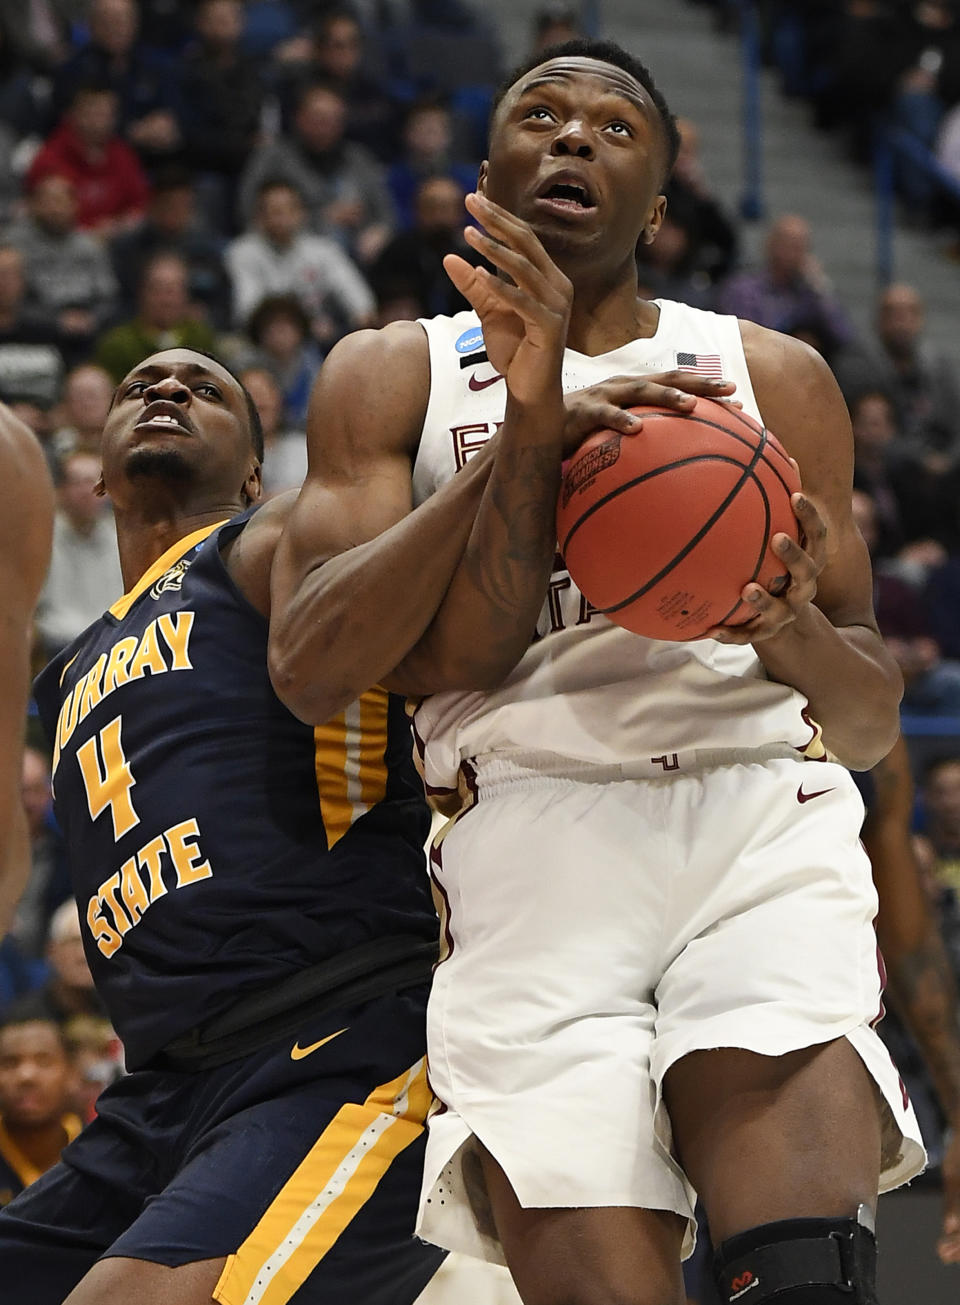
(833, 652)
(920, 979)
(357, 576)
(25, 534)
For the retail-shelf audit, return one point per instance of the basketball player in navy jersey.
(26, 525)
(253, 901)
(658, 967)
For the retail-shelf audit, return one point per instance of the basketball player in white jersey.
(26, 527)
(660, 969)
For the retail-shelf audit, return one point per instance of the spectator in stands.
(86, 399)
(875, 440)
(221, 101)
(280, 329)
(342, 184)
(84, 576)
(23, 94)
(70, 283)
(335, 55)
(36, 1122)
(49, 882)
(110, 184)
(68, 991)
(281, 257)
(789, 287)
(39, 33)
(931, 682)
(31, 365)
(427, 152)
(143, 80)
(923, 384)
(555, 23)
(97, 1056)
(414, 259)
(173, 226)
(941, 806)
(666, 267)
(164, 319)
(285, 451)
(691, 204)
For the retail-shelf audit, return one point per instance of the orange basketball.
(662, 530)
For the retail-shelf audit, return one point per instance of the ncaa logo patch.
(470, 341)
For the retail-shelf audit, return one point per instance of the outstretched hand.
(525, 318)
(607, 405)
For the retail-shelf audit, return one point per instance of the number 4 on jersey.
(108, 779)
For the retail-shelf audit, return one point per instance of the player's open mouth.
(162, 415)
(567, 195)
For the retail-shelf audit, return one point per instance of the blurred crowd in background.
(258, 179)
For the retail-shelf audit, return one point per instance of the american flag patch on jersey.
(709, 365)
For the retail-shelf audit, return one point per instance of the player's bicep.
(365, 416)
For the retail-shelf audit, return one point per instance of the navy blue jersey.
(217, 844)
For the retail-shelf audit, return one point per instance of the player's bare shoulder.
(26, 522)
(371, 392)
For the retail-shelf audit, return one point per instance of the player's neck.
(144, 535)
(609, 314)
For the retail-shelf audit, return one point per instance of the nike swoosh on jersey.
(298, 1052)
(808, 797)
(476, 384)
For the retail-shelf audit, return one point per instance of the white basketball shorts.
(597, 932)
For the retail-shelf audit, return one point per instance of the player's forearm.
(922, 987)
(14, 865)
(851, 682)
(489, 613)
(353, 617)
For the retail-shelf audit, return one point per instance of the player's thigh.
(612, 1255)
(764, 1138)
(137, 1282)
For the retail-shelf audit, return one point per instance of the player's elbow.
(867, 747)
(311, 698)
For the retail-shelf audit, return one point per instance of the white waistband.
(500, 767)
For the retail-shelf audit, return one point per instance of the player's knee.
(800, 1262)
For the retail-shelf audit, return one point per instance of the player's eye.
(620, 128)
(539, 112)
(135, 387)
(208, 388)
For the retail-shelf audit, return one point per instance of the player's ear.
(252, 490)
(654, 221)
(482, 178)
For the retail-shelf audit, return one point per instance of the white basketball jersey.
(587, 690)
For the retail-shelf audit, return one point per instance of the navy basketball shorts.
(301, 1164)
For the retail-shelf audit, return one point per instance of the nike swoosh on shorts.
(298, 1052)
(476, 384)
(808, 797)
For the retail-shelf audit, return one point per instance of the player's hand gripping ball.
(662, 530)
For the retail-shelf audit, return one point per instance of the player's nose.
(575, 138)
(169, 388)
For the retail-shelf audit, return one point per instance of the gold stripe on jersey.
(350, 762)
(163, 564)
(328, 1189)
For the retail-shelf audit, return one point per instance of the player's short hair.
(604, 52)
